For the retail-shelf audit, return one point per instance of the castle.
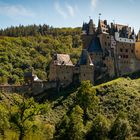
(108, 51)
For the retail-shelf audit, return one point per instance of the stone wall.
(61, 73)
(14, 89)
(86, 73)
(34, 89)
(39, 87)
(126, 58)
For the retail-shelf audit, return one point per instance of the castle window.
(132, 51)
(121, 50)
(84, 75)
(126, 50)
(105, 43)
(64, 77)
(126, 56)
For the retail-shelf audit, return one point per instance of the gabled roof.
(85, 58)
(95, 45)
(63, 59)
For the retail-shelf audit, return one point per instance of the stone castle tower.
(65, 73)
(110, 50)
(114, 49)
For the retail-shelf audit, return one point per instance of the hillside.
(107, 111)
(19, 54)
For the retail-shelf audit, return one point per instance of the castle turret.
(88, 32)
(116, 29)
(86, 67)
(99, 30)
(85, 58)
(102, 27)
(84, 28)
(91, 29)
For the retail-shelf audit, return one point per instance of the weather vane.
(100, 15)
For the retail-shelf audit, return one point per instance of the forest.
(20, 52)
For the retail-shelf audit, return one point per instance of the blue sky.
(68, 13)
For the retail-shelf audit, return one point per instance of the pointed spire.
(91, 27)
(99, 30)
(83, 25)
(99, 15)
(133, 32)
(85, 58)
(116, 29)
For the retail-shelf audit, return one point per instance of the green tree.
(121, 128)
(3, 80)
(71, 127)
(76, 126)
(87, 99)
(23, 113)
(100, 128)
(4, 120)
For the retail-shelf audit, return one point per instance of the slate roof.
(63, 59)
(85, 27)
(85, 58)
(95, 45)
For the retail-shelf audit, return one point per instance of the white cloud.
(71, 10)
(67, 10)
(94, 3)
(15, 11)
(60, 10)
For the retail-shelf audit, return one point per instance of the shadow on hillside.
(134, 75)
(53, 95)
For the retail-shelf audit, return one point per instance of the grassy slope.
(120, 95)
